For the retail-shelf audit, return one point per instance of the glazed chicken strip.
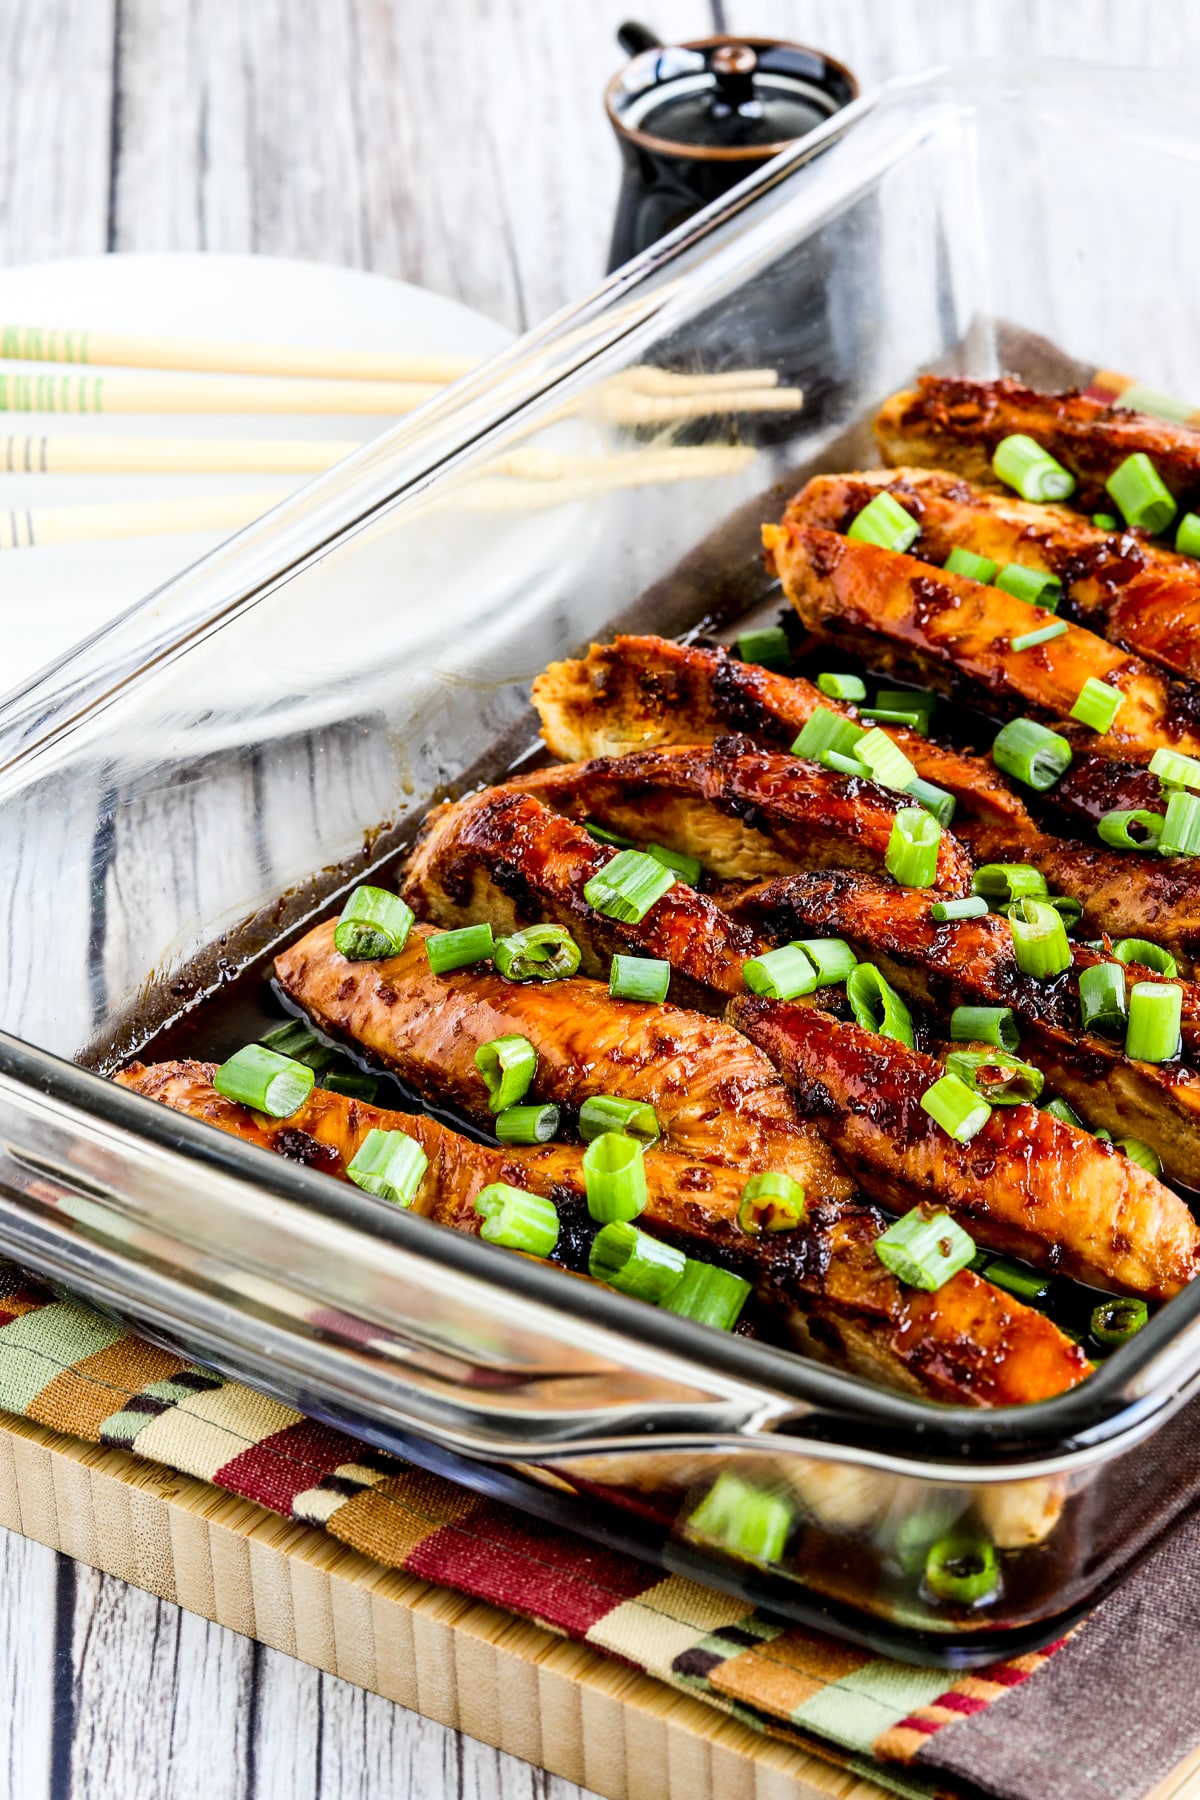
(746, 813)
(956, 425)
(1025, 1184)
(647, 693)
(960, 633)
(718, 1099)
(971, 963)
(969, 1342)
(1118, 583)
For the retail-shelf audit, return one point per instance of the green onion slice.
(1155, 1010)
(1002, 883)
(1142, 496)
(627, 887)
(825, 730)
(599, 835)
(1105, 521)
(1066, 1115)
(842, 687)
(449, 950)
(1021, 463)
(985, 1025)
(353, 1084)
(885, 522)
(1039, 939)
(975, 568)
(709, 1295)
(771, 1202)
(934, 799)
(768, 647)
(1117, 828)
(1069, 910)
(877, 1006)
(884, 760)
(747, 1521)
(1031, 753)
(508, 1065)
(780, 974)
(890, 715)
(1187, 538)
(390, 1165)
(912, 853)
(943, 912)
(539, 953)
(1115, 1321)
(832, 958)
(516, 1219)
(844, 765)
(635, 1263)
(628, 1118)
(689, 869)
(1151, 956)
(1097, 704)
(1102, 999)
(1174, 769)
(261, 1078)
(924, 1249)
(1145, 1155)
(962, 1570)
(997, 1077)
(958, 1109)
(1139, 397)
(614, 1177)
(1017, 1278)
(1033, 586)
(908, 700)
(1180, 834)
(532, 1124)
(1045, 634)
(373, 924)
(644, 978)
(300, 1043)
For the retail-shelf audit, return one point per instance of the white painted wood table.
(462, 146)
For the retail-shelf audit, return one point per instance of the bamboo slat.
(37, 343)
(83, 454)
(169, 393)
(28, 527)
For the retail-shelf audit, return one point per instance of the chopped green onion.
(689, 869)
(885, 522)
(508, 1065)
(448, 950)
(935, 800)
(1155, 1010)
(1021, 463)
(390, 1165)
(645, 978)
(1069, 910)
(533, 1124)
(997, 1077)
(1180, 834)
(958, 1109)
(628, 1118)
(1143, 1154)
(353, 1084)
(709, 1295)
(925, 1249)
(1031, 753)
(1115, 1321)
(745, 1520)
(1033, 586)
(1039, 939)
(373, 924)
(635, 1263)
(1104, 521)
(893, 715)
(912, 853)
(962, 1570)
(599, 835)
(943, 911)
(877, 1006)
(614, 1177)
(780, 974)
(1002, 883)
(1151, 956)
(517, 1219)
(627, 887)
(1102, 999)
(1017, 1278)
(844, 765)
(832, 958)
(771, 1202)
(266, 1081)
(825, 730)
(842, 687)
(300, 1043)
(768, 647)
(1066, 1115)
(975, 568)
(1116, 828)
(1102, 1137)
(1175, 770)
(985, 1025)
(1141, 494)
(885, 760)
(1138, 397)
(1097, 704)
(1187, 538)
(539, 953)
(908, 700)
(1029, 640)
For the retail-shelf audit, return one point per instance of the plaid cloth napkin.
(1101, 1716)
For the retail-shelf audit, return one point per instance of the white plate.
(52, 596)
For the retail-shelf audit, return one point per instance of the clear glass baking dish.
(190, 787)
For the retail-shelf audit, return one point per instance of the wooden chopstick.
(26, 527)
(208, 394)
(36, 343)
(84, 454)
